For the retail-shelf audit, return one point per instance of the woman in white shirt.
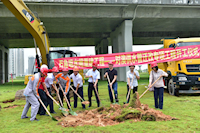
(159, 85)
(132, 83)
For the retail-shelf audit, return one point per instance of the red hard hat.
(94, 64)
(50, 70)
(60, 69)
(154, 65)
(76, 68)
(65, 69)
(110, 62)
(55, 69)
(44, 69)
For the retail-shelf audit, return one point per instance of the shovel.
(149, 87)
(96, 92)
(47, 110)
(84, 102)
(70, 109)
(129, 91)
(59, 96)
(111, 89)
(64, 110)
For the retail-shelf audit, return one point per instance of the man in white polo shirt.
(49, 83)
(78, 85)
(93, 75)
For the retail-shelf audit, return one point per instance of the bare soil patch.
(115, 114)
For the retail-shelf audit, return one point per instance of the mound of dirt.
(13, 106)
(8, 101)
(115, 114)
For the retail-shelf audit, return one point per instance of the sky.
(28, 52)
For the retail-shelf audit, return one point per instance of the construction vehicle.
(38, 31)
(183, 75)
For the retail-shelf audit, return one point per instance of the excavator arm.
(32, 24)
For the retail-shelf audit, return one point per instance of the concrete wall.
(122, 41)
(4, 71)
(102, 48)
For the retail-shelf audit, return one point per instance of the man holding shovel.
(78, 85)
(31, 93)
(43, 92)
(93, 75)
(49, 83)
(112, 81)
(132, 83)
(65, 84)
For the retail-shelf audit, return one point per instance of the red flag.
(12, 77)
(36, 64)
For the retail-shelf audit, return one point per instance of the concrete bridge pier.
(122, 41)
(102, 48)
(4, 77)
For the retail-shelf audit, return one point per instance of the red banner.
(129, 58)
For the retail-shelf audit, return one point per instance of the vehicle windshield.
(180, 44)
(54, 55)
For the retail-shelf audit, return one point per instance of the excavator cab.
(60, 54)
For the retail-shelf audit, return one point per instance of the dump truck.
(184, 75)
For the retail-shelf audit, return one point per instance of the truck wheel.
(171, 87)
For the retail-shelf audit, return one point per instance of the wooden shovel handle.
(59, 96)
(76, 93)
(96, 89)
(64, 95)
(44, 107)
(110, 87)
(129, 89)
(53, 99)
(150, 87)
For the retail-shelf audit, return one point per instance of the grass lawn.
(185, 107)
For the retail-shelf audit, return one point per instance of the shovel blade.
(54, 119)
(65, 113)
(85, 102)
(73, 113)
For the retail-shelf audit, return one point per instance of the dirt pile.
(8, 101)
(115, 114)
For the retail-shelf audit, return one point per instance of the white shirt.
(95, 75)
(131, 76)
(77, 79)
(155, 75)
(49, 80)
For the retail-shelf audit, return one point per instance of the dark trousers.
(43, 97)
(61, 97)
(134, 90)
(50, 101)
(80, 92)
(114, 87)
(90, 88)
(158, 93)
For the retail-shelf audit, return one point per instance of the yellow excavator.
(38, 31)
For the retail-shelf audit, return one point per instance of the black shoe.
(25, 117)
(53, 112)
(44, 114)
(35, 119)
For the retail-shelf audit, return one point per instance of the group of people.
(39, 86)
